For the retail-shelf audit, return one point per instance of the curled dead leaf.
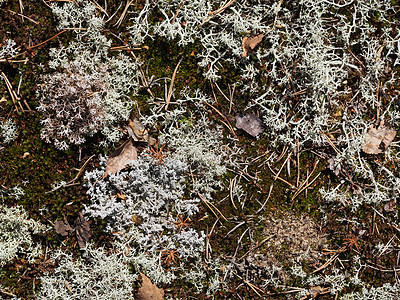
(121, 157)
(148, 290)
(138, 132)
(62, 227)
(82, 230)
(378, 139)
(250, 42)
(250, 123)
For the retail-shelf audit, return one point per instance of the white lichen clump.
(92, 92)
(97, 275)
(16, 235)
(8, 131)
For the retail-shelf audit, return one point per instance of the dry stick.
(223, 94)
(298, 163)
(178, 10)
(308, 185)
(300, 188)
(299, 92)
(22, 16)
(330, 142)
(14, 61)
(269, 195)
(331, 260)
(378, 96)
(282, 154)
(284, 163)
(113, 15)
(225, 118)
(239, 240)
(231, 94)
(231, 192)
(252, 286)
(99, 7)
(234, 228)
(281, 179)
(21, 7)
(14, 97)
(216, 12)
(7, 293)
(121, 19)
(47, 40)
(72, 182)
(258, 246)
(171, 85)
(209, 205)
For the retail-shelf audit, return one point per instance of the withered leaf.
(148, 290)
(378, 139)
(390, 206)
(82, 230)
(250, 123)
(250, 42)
(121, 156)
(62, 227)
(138, 132)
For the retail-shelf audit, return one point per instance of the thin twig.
(216, 12)
(281, 179)
(231, 192)
(121, 19)
(234, 228)
(329, 261)
(225, 118)
(72, 182)
(54, 36)
(209, 205)
(257, 246)
(13, 95)
(21, 15)
(177, 11)
(269, 195)
(171, 85)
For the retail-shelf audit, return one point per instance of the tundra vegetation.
(237, 149)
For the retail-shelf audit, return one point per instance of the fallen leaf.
(390, 206)
(121, 157)
(250, 123)
(334, 167)
(148, 290)
(82, 230)
(62, 227)
(378, 139)
(138, 132)
(250, 42)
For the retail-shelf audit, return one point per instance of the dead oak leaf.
(62, 227)
(250, 123)
(82, 230)
(121, 157)
(378, 139)
(138, 132)
(148, 290)
(250, 42)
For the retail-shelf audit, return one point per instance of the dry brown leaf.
(62, 227)
(138, 132)
(250, 42)
(148, 290)
(82, 230)
(120, 158)
(250, 123)
(378, 139)
(390, 206)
